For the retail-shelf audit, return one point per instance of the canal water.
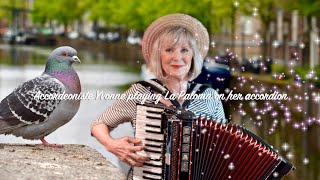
(280, 123)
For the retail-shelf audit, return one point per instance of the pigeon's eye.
(64, 54)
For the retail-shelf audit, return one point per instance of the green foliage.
(305, 7)
(7, 8)
(134, 14)
(280, 69)
(308, 9)
(302, 71)
(137, 14)
(43, 11)
(64, 11)
(317, 76)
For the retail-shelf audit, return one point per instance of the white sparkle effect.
(275, 174)
(316, 97)
(213, 44)
(289, 155)
(285, 146)
(236, 4)
(255, 11)
(231, 166)
(305, 161)
(317, 41)
(280, 117)
(227, 156)
(203, 131)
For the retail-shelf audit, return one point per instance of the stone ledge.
(29, 161)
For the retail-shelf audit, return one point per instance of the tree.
(43, 12)
(266, 11)
(12, 10)
(267, 14)
(306, 8)
(223, 14)
(64, 11)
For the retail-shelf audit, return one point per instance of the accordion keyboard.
(149, 130)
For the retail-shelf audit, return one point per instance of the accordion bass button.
(186, 130)
(186, 139)
(185, 148)
(184, 166)
(185, 156)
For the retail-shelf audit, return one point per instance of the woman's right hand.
(125, 149)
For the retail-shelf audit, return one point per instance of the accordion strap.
(194, 89)
(159, 87)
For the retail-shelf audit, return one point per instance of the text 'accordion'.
(181, 146)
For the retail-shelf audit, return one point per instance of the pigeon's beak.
(76, 59)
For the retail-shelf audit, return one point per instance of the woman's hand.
(125, 149)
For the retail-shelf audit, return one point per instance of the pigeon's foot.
(44, 142)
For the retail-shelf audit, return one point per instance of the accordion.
(181, 146)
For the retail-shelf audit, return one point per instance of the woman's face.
(176, 59)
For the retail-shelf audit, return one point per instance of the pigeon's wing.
(28, 105)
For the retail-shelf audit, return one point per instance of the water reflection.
(284, 124)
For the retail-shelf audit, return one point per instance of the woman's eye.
(169, 50)
(185, 50)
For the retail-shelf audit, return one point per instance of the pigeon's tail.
(8, 122)
(6, 127)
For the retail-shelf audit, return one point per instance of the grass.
(265, 78)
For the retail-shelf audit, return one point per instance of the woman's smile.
(177, 66)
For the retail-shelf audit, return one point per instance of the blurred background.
(256, 46)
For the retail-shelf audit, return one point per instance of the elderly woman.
(174, 47)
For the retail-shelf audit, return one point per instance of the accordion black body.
(181, 146)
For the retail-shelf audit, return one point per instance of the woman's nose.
(177, 56)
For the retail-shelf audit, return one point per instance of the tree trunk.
(265, 44)
(95, 29)
(233, 29)
(65, 28)
(51, 26)
(306, 40)
(208, 25)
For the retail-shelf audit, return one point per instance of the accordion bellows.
(181, 146)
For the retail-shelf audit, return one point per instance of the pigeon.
(32, 111)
